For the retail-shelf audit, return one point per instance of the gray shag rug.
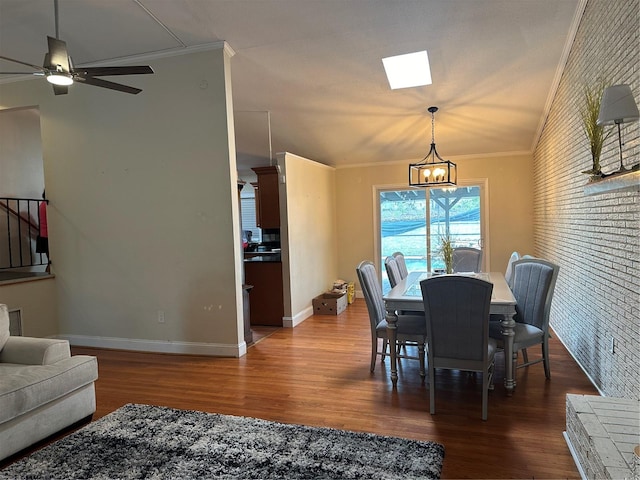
(143, 441)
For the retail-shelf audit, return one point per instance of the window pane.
(403, 228)
(248, 212)
(454, 213)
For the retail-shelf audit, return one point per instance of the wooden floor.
(318, 374)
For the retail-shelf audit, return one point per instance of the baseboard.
(578, 362)
(290, 322)
(157, 346)
(574, 455)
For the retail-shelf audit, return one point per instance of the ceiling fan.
(60, 72)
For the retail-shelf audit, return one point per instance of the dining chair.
(402, 265)
(393, 272)
(457, 315)
(508, 276)
(395, 276)
(467, 259)
(411, 329)
(534, 282)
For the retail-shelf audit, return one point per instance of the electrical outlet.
(612, 345)
(160, 316)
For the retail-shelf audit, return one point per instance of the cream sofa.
(43, 389)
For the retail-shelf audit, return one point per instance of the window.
(248, 212)
(413, 221)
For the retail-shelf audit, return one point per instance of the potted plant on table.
(446, 250)
(595, 133)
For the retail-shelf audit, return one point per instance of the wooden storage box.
(329, 304)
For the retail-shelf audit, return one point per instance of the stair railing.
(20, 220)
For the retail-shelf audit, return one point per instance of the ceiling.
(311, 70)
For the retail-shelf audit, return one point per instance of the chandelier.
(433, 170)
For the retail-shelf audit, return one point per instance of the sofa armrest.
(34, 351)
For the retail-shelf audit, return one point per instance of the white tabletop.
(408, 292)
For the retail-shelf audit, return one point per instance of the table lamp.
(618, 106)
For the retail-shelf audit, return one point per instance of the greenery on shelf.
(595, 133)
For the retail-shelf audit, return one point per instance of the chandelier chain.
(432, 128)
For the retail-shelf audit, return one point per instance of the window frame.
(482, 184)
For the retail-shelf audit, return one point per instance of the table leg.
(392, 334)
(510, 356)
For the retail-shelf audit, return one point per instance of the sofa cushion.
(4, 324)
(26, 387)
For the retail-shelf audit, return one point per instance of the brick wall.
(594, 239)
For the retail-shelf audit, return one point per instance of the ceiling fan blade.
(98, 82)
(22, 73)
(57, 55)
(22, 63)
(106, 71)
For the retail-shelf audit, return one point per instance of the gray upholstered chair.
(534, 281)
(467, 259)
(393, 272)
(402, 265)
(457, 315)
(508, 276)
(410, 328)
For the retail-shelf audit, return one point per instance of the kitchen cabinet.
(266, 302)
(267, 197)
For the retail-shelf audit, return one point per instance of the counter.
(262, 257)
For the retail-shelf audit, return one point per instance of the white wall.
(310, 248)
(143, 214)
(21, 171)
(38, 301)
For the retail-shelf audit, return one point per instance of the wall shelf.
(629, 181)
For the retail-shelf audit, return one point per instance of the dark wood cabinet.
(266, 301)
(246, 311)
(267, 197)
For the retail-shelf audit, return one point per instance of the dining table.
(407, 296)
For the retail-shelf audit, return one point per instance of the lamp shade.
(617, 106)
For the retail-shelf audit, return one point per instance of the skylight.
(408, 70)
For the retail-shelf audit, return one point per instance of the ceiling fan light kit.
(58, 68)
(59, 79)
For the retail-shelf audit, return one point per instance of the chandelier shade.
(433, 170)
(433, 174)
